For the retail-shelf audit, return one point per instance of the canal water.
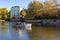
(37, 33)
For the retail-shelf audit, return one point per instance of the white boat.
(28, 26)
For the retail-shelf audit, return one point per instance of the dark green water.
(37, 33)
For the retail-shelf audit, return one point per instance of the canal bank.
(41, 22)
(45, 22)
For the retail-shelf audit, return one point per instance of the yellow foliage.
(0, 16)
(49, 4)
(22, 14)
(4, 13)
(34, 8)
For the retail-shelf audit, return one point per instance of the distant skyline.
(9, 3)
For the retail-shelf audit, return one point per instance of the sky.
(9, 3)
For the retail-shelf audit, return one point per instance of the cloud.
(21, 9)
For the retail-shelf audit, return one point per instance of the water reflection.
(45, 33)
(9, 33)
(3, 23)
(37, 33)
(23, 35)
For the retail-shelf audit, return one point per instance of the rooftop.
(15, 6)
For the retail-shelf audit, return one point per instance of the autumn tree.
(4, 13)
(49, 9)
(48, 4)
(34, 9)
(37, 9)
(22, 14)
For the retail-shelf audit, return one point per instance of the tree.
(4, 13)
(53, 1)
(50, 9)
(22, 14)
(49, 4)
(34, 9)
